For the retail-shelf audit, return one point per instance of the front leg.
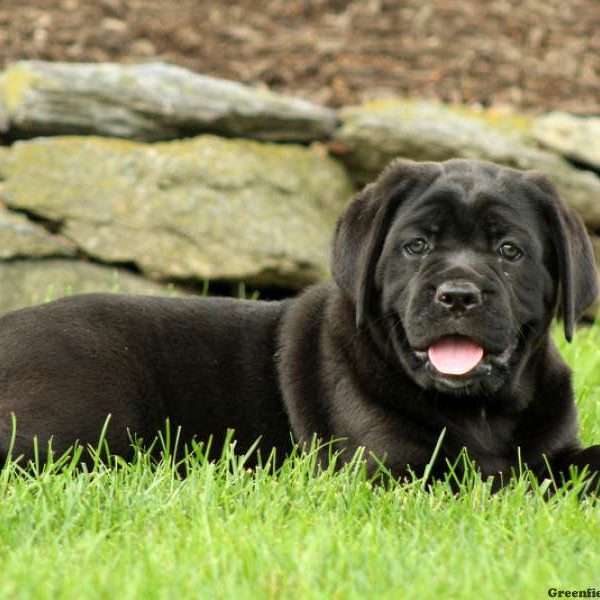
(562, 463)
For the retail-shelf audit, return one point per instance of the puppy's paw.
(586, 463)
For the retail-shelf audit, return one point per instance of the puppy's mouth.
(454, 355)
(456, 362)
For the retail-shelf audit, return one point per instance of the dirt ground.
(535, 55)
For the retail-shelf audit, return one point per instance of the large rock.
(592, 311)
(3, 112)
(3, 117)
(373, 134)
(154, 101)
(20, 238)
(577, 138)
(28, 282)
(3, 157)
(202, 208)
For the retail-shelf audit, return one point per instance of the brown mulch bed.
(536, 55)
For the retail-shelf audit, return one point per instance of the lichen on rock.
(28, 282)
(151, 101)
(201, 208)
(373, 134)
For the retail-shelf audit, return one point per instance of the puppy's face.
(465, 278)
(458, 265)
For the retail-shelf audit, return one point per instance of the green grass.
(225, 532)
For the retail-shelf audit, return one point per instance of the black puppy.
(446, 279)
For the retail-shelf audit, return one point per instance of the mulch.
(534, 55)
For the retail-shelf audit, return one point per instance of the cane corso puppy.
(446, 277)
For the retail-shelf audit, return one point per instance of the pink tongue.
(455, 355)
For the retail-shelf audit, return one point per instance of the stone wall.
(131, 176)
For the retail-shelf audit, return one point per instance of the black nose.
(458, 296)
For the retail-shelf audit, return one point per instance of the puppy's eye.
(416, 247)
(510, 251)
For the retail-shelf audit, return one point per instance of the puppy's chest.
(487, 437)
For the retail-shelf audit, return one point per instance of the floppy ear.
(578, 280)
(362, 229)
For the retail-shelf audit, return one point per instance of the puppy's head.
(460, 266)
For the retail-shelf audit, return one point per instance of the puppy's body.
(446, 279)
(195, 362)
(205, 364)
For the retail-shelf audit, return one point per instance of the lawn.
(224, 532)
